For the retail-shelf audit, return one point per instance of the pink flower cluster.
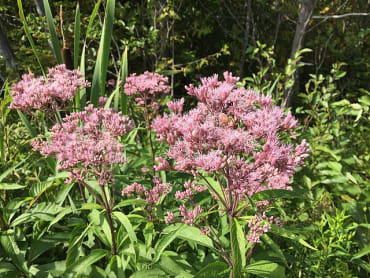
(233, 132)
(146, 87)
(189, 216)
(86, 143)
(153, 196)
(49, 93)
(259, 225)
(190, 189)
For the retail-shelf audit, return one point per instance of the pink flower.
(146, 83)
(86, 143)
(51, 93)
(170, 218)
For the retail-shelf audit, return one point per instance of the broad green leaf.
(11, 186)
(174, 265)
(38, 247)
(163, 242)
(127, 225)
(130, 202)
(12, 250)
(266, 269)
(329, 151)
(7, 267)
(84, 262)
(55, 268)
(238, 248)
(193, 234)
(90, 206)
(54, 39)
(214, 270)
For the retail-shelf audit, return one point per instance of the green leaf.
(150, 273)
(11, 186)
(214, 270)
(84, 262)
(274, 247)
(238, 247)
(12, 250)
(57, 268)
(174, 265)
(163, 242)
(77, 33)
(266, 269)
(288, 234)
(76, 50)
(54, 39)
(130, 202)
(329, 151)
(277, 194)
(193, 234)
(38, 247)
(364, 251)
(6, 267)
(27, 124)
(102, 62)
(124, 74)
(127, 225)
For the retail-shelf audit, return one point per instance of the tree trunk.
(304, 17)
(245, 39)
(6, 50)
(40, 7)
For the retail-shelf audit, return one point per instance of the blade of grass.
(102, 62)
(124, 74)
(28, 34)
(83, 54)
(76, 46)
(54, 38)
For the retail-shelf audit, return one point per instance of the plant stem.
(232, 249)
(109, 216)
(146, 116)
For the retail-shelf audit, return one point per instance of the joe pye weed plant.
(200, 207)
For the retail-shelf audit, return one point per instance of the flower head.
(53, 92)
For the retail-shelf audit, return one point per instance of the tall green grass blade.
(83, 54)
(76, 49)
(82, 92)
(124, 74)
(27, 124)
(102, 62)
(28, 34)
(54, 38)
(77, 33)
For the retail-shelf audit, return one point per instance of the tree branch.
(339, 16)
